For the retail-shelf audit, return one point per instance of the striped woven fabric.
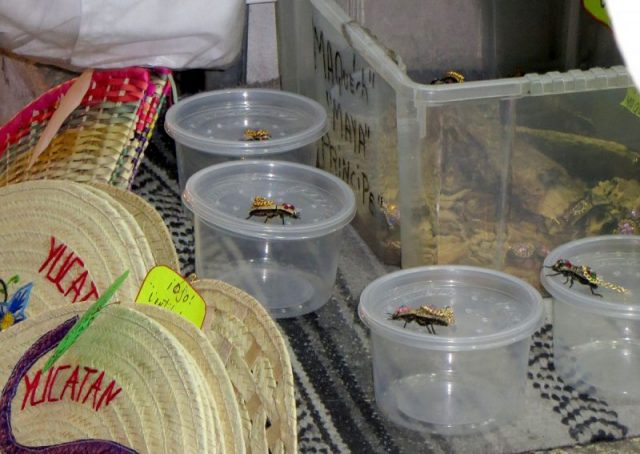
(102, 140)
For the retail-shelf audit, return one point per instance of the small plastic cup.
(596, 339)
(289, 264)
(467, 377)
(209, 128)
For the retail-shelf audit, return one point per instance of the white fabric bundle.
(118, 33)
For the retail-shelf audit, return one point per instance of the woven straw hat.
(67, 241)
(132, 224)
(257, 361)
(156, 232)
(125, 380)
(220, 388)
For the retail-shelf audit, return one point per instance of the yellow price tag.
(165, 288)
(597, 9)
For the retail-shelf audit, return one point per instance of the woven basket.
(257, 360)
(207, 358)
(151, 223)
(102, 140)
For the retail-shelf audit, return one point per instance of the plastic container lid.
(614, 259)
(221, 196)
(492, 309)
(215, 121)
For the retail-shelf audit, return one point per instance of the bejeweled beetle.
(425, 315)
(267, 208)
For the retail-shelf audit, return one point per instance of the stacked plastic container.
(217, 126)
(286, 259)
(265, 219)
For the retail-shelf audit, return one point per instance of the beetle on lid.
(267, 208)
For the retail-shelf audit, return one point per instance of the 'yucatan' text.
(66, 271)
(80, 384)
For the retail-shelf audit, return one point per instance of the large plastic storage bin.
(495, 171)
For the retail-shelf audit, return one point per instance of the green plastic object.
(84, 322)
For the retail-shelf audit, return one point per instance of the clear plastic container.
(288, 264)
(596, 339)
(209, 128)
(467, 377)
(521, 157)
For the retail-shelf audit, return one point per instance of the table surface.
(330, 353)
